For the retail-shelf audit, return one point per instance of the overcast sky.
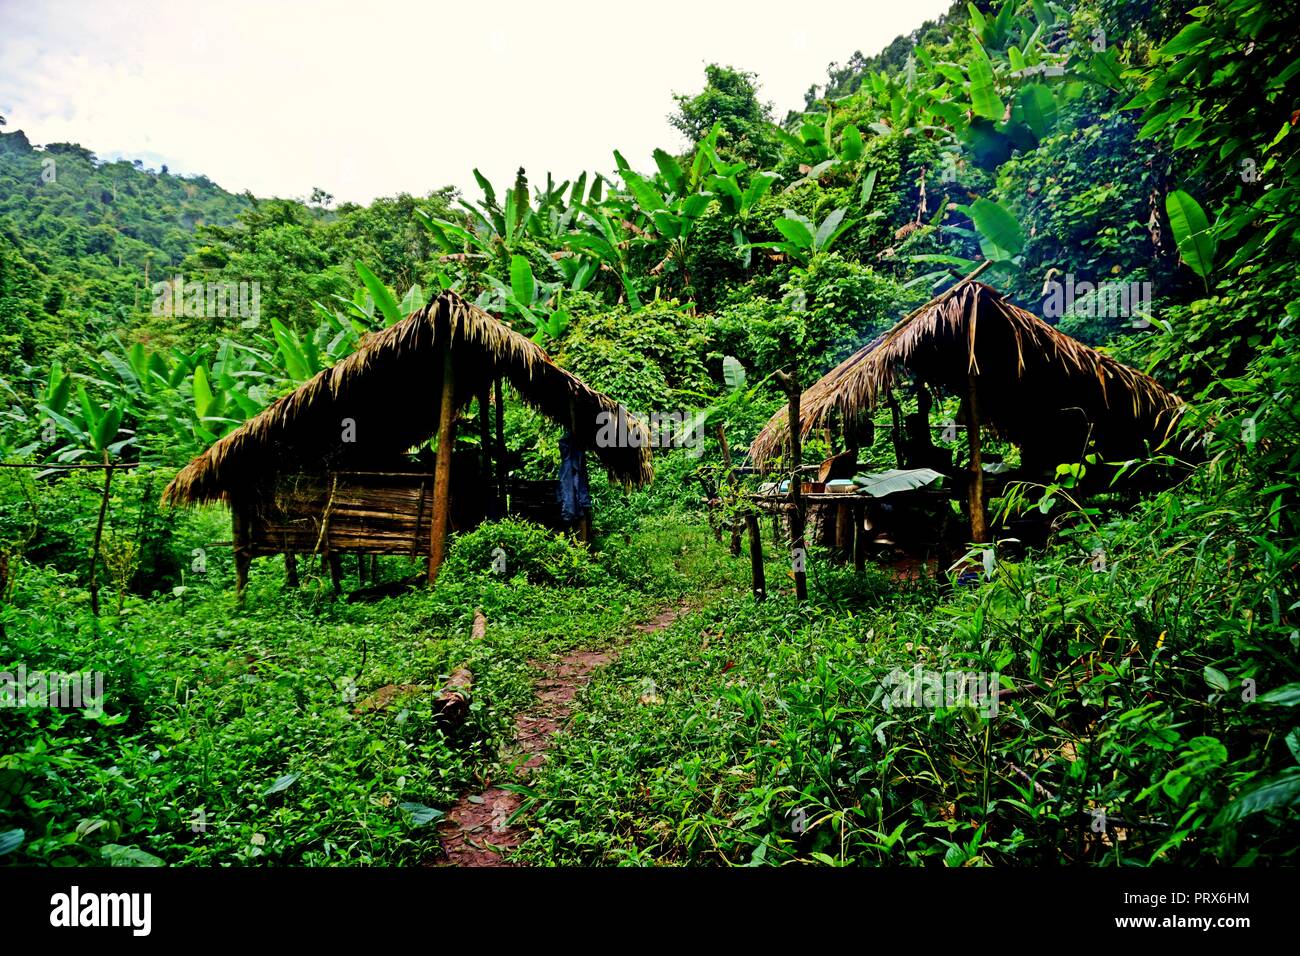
(373, 98)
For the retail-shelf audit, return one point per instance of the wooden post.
(99, 534)
(290, 569)
(978, 521)
(860, 536)
(336, 571)
(442, 467)
(798, 546)
(502, 502)
(844, 528)
(243, 558)
(756, 556)
(485, 449)
(726, 461)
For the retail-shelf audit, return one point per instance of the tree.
(729, 97)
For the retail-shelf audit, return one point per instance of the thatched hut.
(328, 468)
(1052, 396)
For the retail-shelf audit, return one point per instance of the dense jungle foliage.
(1124, 141)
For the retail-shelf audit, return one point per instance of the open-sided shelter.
(1050, 395)
(329, 469)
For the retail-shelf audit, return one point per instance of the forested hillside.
(1125, 169)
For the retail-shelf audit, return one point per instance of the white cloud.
(380, 97)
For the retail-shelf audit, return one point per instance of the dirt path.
(475, 832)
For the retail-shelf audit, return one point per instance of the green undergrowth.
(229, 733)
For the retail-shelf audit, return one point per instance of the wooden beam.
(442, 467)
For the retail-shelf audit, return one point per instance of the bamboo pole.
(442, 467)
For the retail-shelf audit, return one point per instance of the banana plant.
(817, 151)
(533, 301)
(89, 428)
(803, 240)
(670, 204)
(606, 240)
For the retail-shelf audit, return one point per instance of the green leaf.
(1001, 232)
(1279, 793)
(796, 232)
(889, 482)
(281, 783)
(984, 98)
(1035, 106)
(647, 197)
(1191, 232)
(117, 855)
(1191, 36)
(11, 840)
(851, 143)
(384, 300)
(733, 373)
(868, 187)
(1216, 678)
(420, 814)
(1285, 696)
(671, 172)
(829, 229)
(202, 392)
(522, 283)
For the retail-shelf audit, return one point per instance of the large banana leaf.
(891, 482)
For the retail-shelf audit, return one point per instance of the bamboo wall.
(378, 512)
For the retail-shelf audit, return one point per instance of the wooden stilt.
(799, 547)
(756, 556)
(336, 572)
(485, 450)
(860, 537)
(978, 520)
(290, 569)
(502, 478)
(442, 467)
(844, 529)
(243, 557)
(734, 523)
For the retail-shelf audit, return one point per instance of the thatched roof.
(390, 387)
(1035, 386)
